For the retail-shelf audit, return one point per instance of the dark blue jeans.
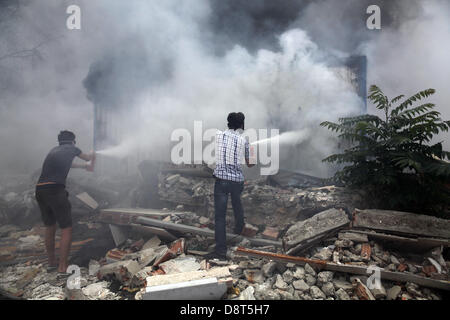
(222, 189)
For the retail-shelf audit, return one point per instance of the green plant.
(393, 158)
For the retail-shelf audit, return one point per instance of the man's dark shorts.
(55, 206)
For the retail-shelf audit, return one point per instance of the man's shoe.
(215, 255)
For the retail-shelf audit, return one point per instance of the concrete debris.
(402, 223)
(271, 233)
(379, 292)
(47, 292)
(321, 223)
(299, 245)
(269, 268)
(352, 236)
(254, 275)
(341, 294)
(123, 271)
(300, 285)
(316, 293)
(310, 270)
(88, 200)
(393, 292)
(328, 289)
(248, 294)
(203, 289)
(324, 277)
(280, 283)
(99, 291)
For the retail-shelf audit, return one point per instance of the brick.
(249, 230)
(271, 233)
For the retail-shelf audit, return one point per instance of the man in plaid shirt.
(231, 150)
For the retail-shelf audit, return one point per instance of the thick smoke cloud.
(168, 63)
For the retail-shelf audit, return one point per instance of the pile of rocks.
(264, 205)
(278, 281)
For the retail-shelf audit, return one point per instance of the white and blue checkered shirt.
(231, 151)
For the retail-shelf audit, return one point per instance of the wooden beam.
(359, 270)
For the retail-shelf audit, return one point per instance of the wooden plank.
(359, 270)
(402, 223)
(203, 231)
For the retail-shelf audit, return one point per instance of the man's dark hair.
(66, 137)
(236, 120)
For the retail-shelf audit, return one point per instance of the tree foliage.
(394, 158)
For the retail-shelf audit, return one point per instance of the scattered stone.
(247, 294)
(265, 292)
(324, 254)
(316, 293)
(310, 280)
(300, 285)
(393, 292)
(379, 293)
(280, 284)
(310, 270)
(299, 273)
(288, 276)
(412, 268)
(341, 294)
(343, 243)
(328, 289)
(281, 267)
(324, 277)
(285, 295)
(413, 289)
(254, 275)
(269, 268)
(342, 284)
(394, 260)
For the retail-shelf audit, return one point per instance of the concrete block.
(87, 200)
(119, 234)
(203, 289)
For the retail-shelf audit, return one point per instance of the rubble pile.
(264, 205)
(303, 240)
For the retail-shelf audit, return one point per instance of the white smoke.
(291, 83)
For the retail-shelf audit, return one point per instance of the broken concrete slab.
(353, 236)
(152, 243)
(217, 272)
(203, 289)
(152, 231)
(202, 231)
(179, 265)
(321, 223)
(402, 223)
(88, 200)
(120, 234)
